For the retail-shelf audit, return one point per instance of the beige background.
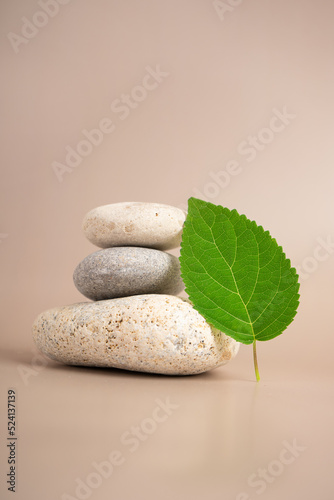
(228, 68)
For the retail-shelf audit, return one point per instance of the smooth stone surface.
(123, 271)
(151, 225)
(147, 333)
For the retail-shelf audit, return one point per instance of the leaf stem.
(255, 362)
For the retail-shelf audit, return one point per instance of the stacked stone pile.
(136, 321)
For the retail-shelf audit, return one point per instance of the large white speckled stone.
(147, 333)
(150, 225)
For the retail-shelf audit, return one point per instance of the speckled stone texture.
(147, 333)
(151, 225)
(123, 271)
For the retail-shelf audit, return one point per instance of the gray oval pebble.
(123, 271)
(147, 333)
(151, 225)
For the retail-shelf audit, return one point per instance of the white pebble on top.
(150, 225)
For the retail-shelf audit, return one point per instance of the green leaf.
(236, 275)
